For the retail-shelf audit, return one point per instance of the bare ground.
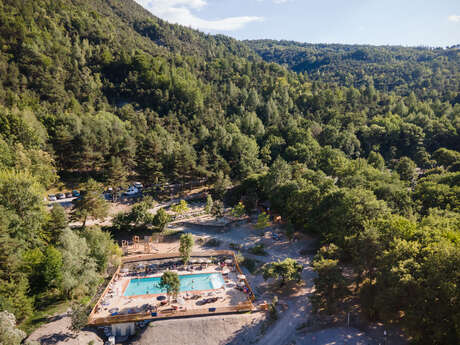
(209, 330)
(57, 332)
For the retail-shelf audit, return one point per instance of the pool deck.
(114, 307)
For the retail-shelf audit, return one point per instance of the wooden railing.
(93, 311)
(145, 257)
(252, 295)
(242, 307)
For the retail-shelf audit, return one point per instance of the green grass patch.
(50, 304)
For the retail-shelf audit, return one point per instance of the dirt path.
(57, 332)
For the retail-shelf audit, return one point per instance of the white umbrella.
(180, 301)
(193, 261)
(229, 261)
(241, 276)
(225, 271)
(124, 270)
(208, 261)
(241, 283)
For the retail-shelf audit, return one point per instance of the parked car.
(68, 194)
(75, 193)
(132, 191)
(52, 197)
(138, 185)
(60, 195)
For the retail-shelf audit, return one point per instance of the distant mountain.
(390, 68)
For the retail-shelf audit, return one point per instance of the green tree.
(102, 248)
(286, 270)
(91, 203)
(52, 267)
(140, 213)
(21, 198)
(186, 246)
(9, 333)
(209, 204)
(446, 157)
(330, 284)
(279, 174)
(263, 221)
(170, 281)
(78, 316)
(117, 176)
(221, 185)
(345, 212)
(406, 169)
(161, 219)
(57, 222)
(181, 207)
(376, 160)
(14, 297)
(80, 274)
(239, 210)
(218, 209)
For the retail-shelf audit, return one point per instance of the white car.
(52, 197)
(138, 185)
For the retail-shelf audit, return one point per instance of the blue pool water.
(189, 282)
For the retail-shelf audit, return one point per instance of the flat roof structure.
(233, 296)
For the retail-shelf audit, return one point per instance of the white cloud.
(180, 11)
(454, 18)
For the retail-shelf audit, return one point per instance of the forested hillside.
(87, 86)
(429, 72)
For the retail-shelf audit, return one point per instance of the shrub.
(79, 316)
(258, 249)
(250, 264)
(287, 270)
(186, 246)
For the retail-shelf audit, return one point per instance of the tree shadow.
(252, 331)
(55, 338)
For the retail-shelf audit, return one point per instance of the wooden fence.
(242, 307)
(93, 311)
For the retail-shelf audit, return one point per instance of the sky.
(379, 22)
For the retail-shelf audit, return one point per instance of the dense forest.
(361, 148)
(429, 72)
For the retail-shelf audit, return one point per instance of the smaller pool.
(188, 282)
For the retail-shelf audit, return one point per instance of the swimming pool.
(188, 282)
